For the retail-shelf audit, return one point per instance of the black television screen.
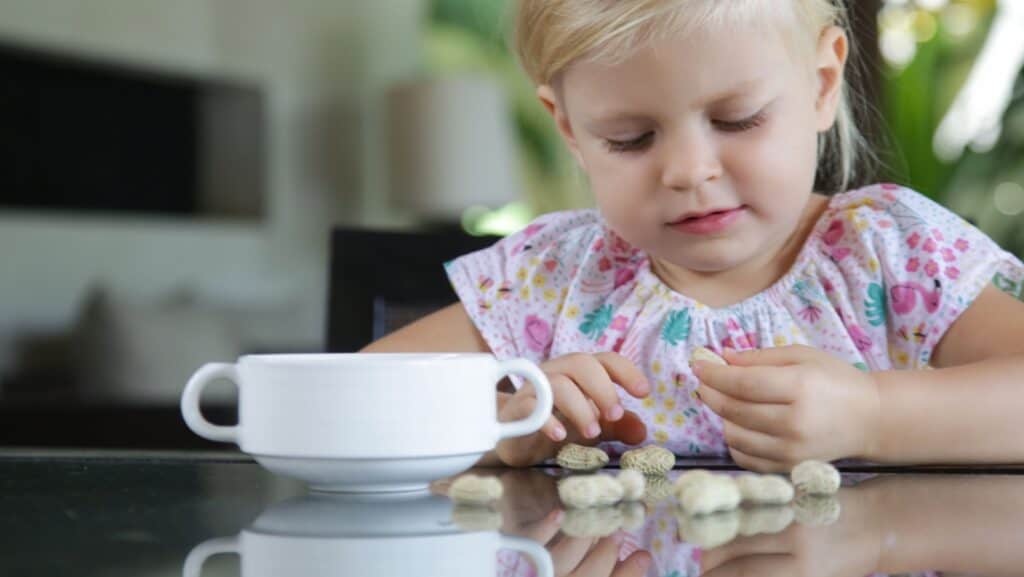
(84, 135)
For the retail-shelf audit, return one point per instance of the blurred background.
(171, 174)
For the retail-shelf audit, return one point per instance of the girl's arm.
(968, 409)
(448, 330)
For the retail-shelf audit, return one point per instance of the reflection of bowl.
(349, 535)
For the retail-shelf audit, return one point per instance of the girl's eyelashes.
(749, 123)
(644, 140)
(633, 144)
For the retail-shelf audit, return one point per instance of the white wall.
(320, 63)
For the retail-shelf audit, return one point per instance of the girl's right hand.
(586, 411)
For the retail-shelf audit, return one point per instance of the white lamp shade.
(451, 146)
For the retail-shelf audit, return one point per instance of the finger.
(630, 429)
(635, 565)
(766, 565)
(754, 443)
(765, 417)
(554, 429)
(569, 552)
(572, 403)
(757, 384)
(624, 372)
(593, 379)
(774, 356)
(757, 464)
(601, 560)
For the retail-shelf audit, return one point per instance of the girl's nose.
(689, 161)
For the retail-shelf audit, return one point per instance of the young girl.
(717, 137)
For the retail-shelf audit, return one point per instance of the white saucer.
(369, 475)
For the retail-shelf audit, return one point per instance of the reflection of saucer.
(355, 515)
(369, 475)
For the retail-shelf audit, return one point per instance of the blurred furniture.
(381, 281)
(451, 146)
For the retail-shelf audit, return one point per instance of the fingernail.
(616, 413)
(593, 430)
(695, 368)
(559, 433)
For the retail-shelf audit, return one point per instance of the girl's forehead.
(702, 66)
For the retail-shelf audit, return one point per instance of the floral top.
(882, 276)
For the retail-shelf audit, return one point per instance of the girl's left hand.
(784, 405)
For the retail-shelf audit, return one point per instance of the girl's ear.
(550, 100)
(833, 50)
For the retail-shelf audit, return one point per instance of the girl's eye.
(742, 125)
(638, 143)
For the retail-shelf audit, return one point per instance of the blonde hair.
(550, 35)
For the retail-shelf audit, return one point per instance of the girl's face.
(701, 151)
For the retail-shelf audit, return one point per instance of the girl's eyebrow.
(738, 90)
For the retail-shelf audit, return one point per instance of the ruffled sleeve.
(914, 267)
(514, 291)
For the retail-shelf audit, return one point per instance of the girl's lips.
(709, 224)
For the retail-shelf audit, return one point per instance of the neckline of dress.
(781, 285)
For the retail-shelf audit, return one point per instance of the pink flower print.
(732, 325)
(947, 254)
(930, 245)
(741, 342)
(601, 341)
(484, 283)
(931, 269)
(962, 245)
(938, 235)
(524, 244)
(913, 240)
(618, 323)
(624, 275)
(827, 285)
(605, 264)
(834, 233)
(952, 272)
(904, 297)
(810, 313)
(618, 344)
(889, 186)
(839, 253)
(860, 339)
(885, 223)
(599, 244)
(551, 265)
(913, 264)
(620, 246)
(537, 333)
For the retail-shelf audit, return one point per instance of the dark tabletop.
(112, 513)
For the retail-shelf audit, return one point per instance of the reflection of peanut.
(649, 460)
(815, 478)
(686, 479)
(579, 458)
(592, 522)
(704, 496)
(708, 531)
(633, 484)
(707, 355)
(764, 489)
(768, 519)
(473, 490)
(657, 488)
(476, 518)
(816, 510)
(633, 515)
(582, 491)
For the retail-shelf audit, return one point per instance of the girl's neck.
(724, 288)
